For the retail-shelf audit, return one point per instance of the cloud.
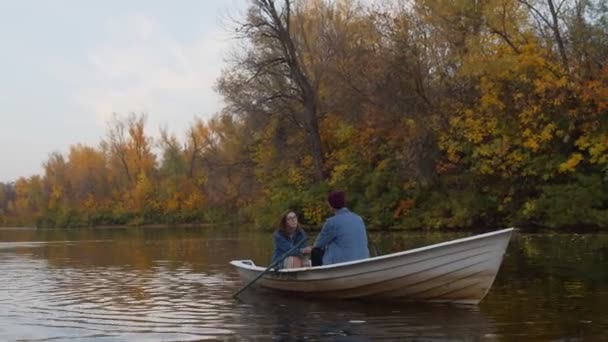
(140, 67)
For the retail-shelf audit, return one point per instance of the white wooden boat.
(457, 271)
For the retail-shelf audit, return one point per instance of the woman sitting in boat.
(286, 237)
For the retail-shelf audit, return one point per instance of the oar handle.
(279, 260)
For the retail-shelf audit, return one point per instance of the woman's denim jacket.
(282, 244)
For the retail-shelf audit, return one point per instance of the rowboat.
(459, 271)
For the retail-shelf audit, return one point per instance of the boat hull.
(458, 271)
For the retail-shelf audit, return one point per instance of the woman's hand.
(306, 250)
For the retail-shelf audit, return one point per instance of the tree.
(29, 198)
(272, 78)
(116, 146)
(56, 188)
(7, 196)
(550, 16)
(86, 175)
(129, 148)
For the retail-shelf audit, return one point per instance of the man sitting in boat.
(343, 237)
(286, 237)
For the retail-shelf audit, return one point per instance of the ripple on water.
(38, 302)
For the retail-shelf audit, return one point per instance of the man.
(343, 236)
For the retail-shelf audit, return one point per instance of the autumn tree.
(7, 198)
(129, 148)
(172, 172)
(229, 167)
(271, 78)
(429, 113)
(86, 176)
(29, 200)
(56, 188)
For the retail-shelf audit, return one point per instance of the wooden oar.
(279, 260)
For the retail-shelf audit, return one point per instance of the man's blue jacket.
(344, 238)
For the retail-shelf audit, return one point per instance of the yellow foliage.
(597, 146)
(516, 156)
(294, 177)
(529, 208)
(142, 193)
(598, 150)
(339, 173)
(344, 133)
(90, 204)
(530, 114)
(266, 152)
(201, 180)
(193, 201)
(56, 195)
(583, 142)
(596, 91)
(314, 212)
(173, 203)
(492, 101)
(474, 134)
(532, 144)
(450, 148)
(486, 169)
(307, 162)
(548, 132)
(571, 163)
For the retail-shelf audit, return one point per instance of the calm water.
(176, 285)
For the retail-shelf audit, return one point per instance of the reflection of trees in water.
(294, 319)
(556, 283)
(139, 248)
(130, 267)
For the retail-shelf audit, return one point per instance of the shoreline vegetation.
(434, 114)
(316, 229)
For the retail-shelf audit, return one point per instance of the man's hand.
(306, 250)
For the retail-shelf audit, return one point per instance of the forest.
(430, 114)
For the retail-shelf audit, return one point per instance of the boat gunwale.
(242, 265)
(355, 275)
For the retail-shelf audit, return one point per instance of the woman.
(285, 238)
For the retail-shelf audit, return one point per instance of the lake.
(175, 284)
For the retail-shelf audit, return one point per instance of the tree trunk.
(315, 143)
(558, 36)
(308, 94)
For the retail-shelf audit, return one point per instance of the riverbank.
(311, 228)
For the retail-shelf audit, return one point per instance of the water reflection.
(176, 285)
(108, 303)
(290, 318)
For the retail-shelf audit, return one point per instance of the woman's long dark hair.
(283, 223)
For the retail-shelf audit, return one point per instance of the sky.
(67, 65)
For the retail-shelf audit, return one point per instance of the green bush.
(581, 202)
